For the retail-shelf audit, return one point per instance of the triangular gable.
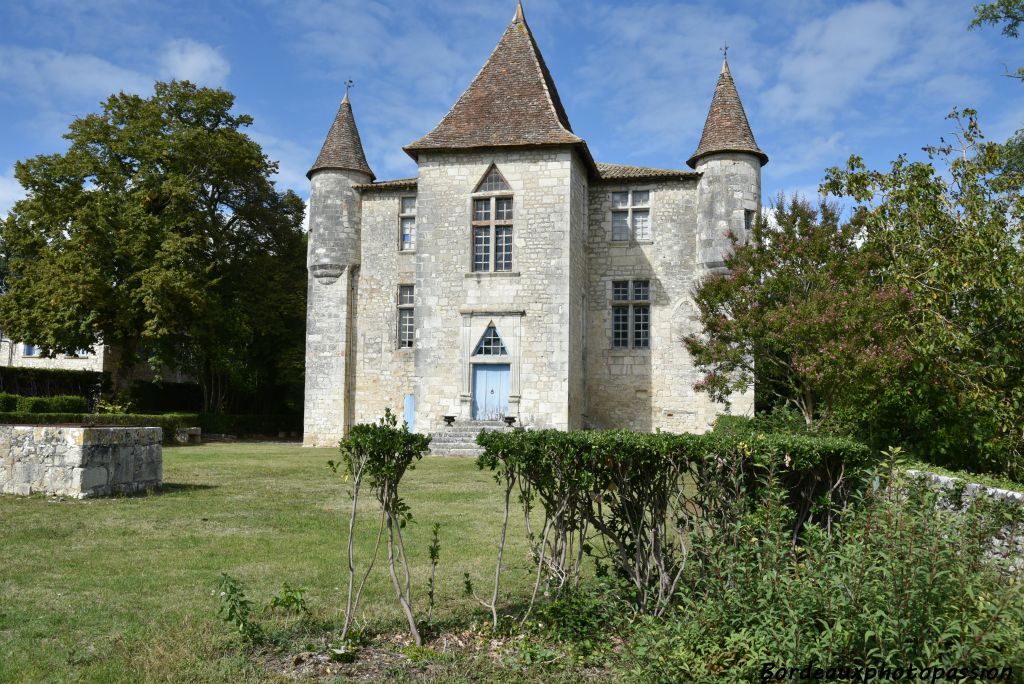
(490, 344)
(493, 181)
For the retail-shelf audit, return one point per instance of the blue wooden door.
(490, 391)
(410, 411)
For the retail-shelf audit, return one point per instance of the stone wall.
(530, 306)
(79, 462)
(383, 372)
(647, 389)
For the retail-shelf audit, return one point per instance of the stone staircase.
(460, 438)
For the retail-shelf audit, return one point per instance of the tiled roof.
(726, 128)
(512, 102)
(342, 149)
(619, 172)
(398, 184)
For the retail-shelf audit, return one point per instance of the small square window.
(620, 200)
(408, 205)
(503, 209)
(641, 290)
(620, 290)
(642, 198)
(406, 295)
(481, 210)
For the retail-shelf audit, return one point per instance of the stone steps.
(460, 439)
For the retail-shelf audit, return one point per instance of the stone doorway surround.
(475, 321)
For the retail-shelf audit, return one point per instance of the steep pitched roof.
(342, 149)
(726, 128)
(512, 102)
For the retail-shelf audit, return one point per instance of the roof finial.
(725, 51)
(520, 18)
(349, 84)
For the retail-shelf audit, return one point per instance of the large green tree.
(951, 237)
(160, 233)
(801, 314)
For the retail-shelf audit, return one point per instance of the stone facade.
(79, 462)
(558, 364)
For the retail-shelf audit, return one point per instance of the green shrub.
(644, 494)
(900, 581)
(48, 382)
(58, 404)
(8, 402)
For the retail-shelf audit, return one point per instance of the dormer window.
(492, 224)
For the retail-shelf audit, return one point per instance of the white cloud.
(10, 192)
(44, 72)
(189, 60)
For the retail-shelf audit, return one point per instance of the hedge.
(58, 404)
(238, 425)
(649, 496)
(48, 382)
(169, 422)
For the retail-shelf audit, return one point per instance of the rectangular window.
(631, 314)
(620, 327)
(408, 234)
(406, 316)
(492, 236)
(481, 249)
(503, 248)
(631, 216)
(407, 225)
(29, 350)
(620, 226)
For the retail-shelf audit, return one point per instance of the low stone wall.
(79, 462)
(1010, 543)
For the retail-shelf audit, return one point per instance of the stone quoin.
(515, 275)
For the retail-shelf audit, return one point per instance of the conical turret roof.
(727, 128)
(342, 149)
(512, 102)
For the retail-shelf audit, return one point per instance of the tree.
(1009, 13)
(800, 312)
(159, 233)
(952, 239)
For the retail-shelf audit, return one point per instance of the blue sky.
(820, 80)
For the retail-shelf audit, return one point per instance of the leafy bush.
(58, 404)
(8, 402)
(900, 581)
(381, 453)
(649, 498)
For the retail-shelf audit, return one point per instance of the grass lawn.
(122, 589)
